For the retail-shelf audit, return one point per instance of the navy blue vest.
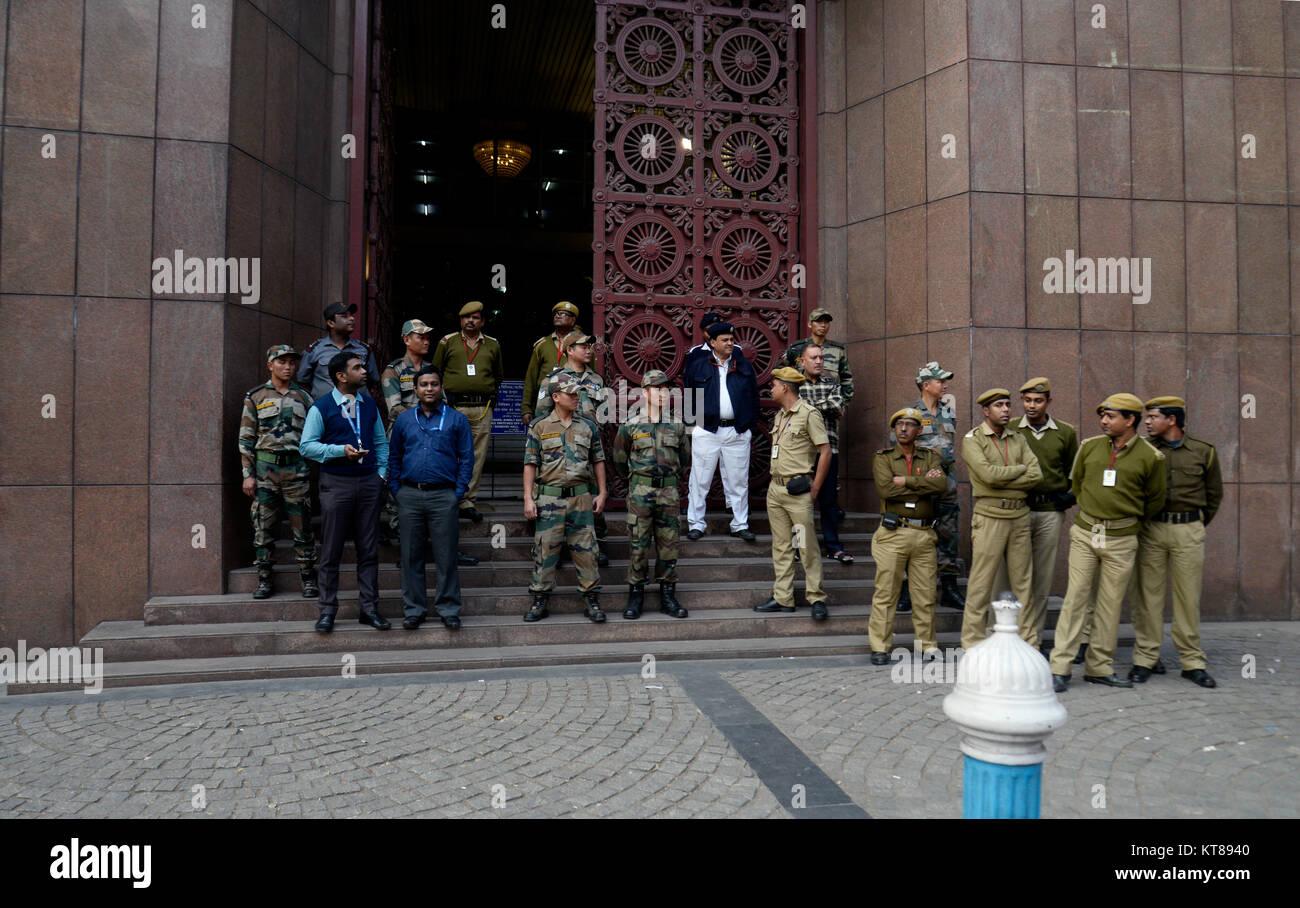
(338, 431)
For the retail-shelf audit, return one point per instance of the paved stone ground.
(706, 739)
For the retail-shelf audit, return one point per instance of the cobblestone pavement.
(708, 739)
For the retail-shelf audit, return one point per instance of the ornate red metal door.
(696, 183)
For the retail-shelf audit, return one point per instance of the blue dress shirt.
(436, 449)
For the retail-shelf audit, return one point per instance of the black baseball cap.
(334, 309)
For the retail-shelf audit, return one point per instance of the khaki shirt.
(916, 499)
(1000, 467)
(796, 434)
(564, 455)
(546, 357)
(1140, 483)
(453, 357)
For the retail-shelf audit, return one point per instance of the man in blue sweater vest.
(345, 435)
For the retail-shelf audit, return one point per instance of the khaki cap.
(1122, 401)
(793, 376)
(1038, 385)
(565, 306)
(471, 307)
(991, 395)
(1169, 401)
(905, 413)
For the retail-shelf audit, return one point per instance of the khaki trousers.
(1100, 569)
(1163, 547)
(785, 512)
(1045, 540)
(910, 549)
(993, 539)
(480, 427)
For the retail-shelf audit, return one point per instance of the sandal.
(842, 557)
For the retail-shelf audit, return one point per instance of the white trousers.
(707, 448)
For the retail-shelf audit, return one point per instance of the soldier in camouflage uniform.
(591, 394)
(939, 434)
(835, 359)
(562, 455)
(651, 453)
(398, 388)
(275, 475)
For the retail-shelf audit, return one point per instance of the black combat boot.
(635, 599)
(308, 577)
(951, 596)
(264, 588)
(592, 610)
(538, 611)
(668, 603)
(602, 560)
(905, 597)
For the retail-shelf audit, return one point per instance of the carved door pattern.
(696, 183)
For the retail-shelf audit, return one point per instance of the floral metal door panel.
(696, 182)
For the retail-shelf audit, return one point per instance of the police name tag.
(469, 368)
(1108, 477)
(909, 504)
(776, 449)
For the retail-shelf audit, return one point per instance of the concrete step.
(517, 573)
(126, 641)
(520, 548)
(486, 601)
(429, 659)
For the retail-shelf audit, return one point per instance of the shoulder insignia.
(884, 450)
(311, 346)
(1154, 449)
(539, 341)
(491, 338)
(1091, 439)
(970, 434)
(449, 336)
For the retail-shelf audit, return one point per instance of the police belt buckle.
(920, 523)
(1006, 504)
(1179, 516)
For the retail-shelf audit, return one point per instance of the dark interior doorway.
(458, 82)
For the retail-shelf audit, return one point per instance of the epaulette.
(884, 450)
(490, 337)
(294, 386)
(1160, 454)
(395, 363)
(311, 346)
(831, 343)
(970, 434)
(1093, 438)
(539, 341)
(449, 336)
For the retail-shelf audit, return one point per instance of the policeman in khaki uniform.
(1119, 481)
(799, 446)
(592, 394)
(1002, 469)
(564, 466)
(652, 452)
(1174, 542)
(548, 354)
(908, 479)
(275, 475)
(471, 367)
(1054, 443)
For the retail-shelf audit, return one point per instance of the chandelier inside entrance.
(502, 157)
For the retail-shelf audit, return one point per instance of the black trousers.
(421, 517)
(349, 506)
(828, 505)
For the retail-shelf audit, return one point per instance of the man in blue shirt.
(339, 426)
(430, 465)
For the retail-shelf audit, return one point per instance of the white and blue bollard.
(1004, 705)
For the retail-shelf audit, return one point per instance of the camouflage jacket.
(546, 357)
(590, 397)
(654, 449)
(564, 455)
(398, 387)
(835, 364)
(938, 433)
(272, 421)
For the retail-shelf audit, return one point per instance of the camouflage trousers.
(562, 521)
(945, 527)
(282, 492)
(652, 514)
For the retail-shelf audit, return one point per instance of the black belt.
(429, 486)
(470, 399)
(919, 522)
(1178, 516)
(1036, 499)
(658, 482)
(726, 423)
(279, 459)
